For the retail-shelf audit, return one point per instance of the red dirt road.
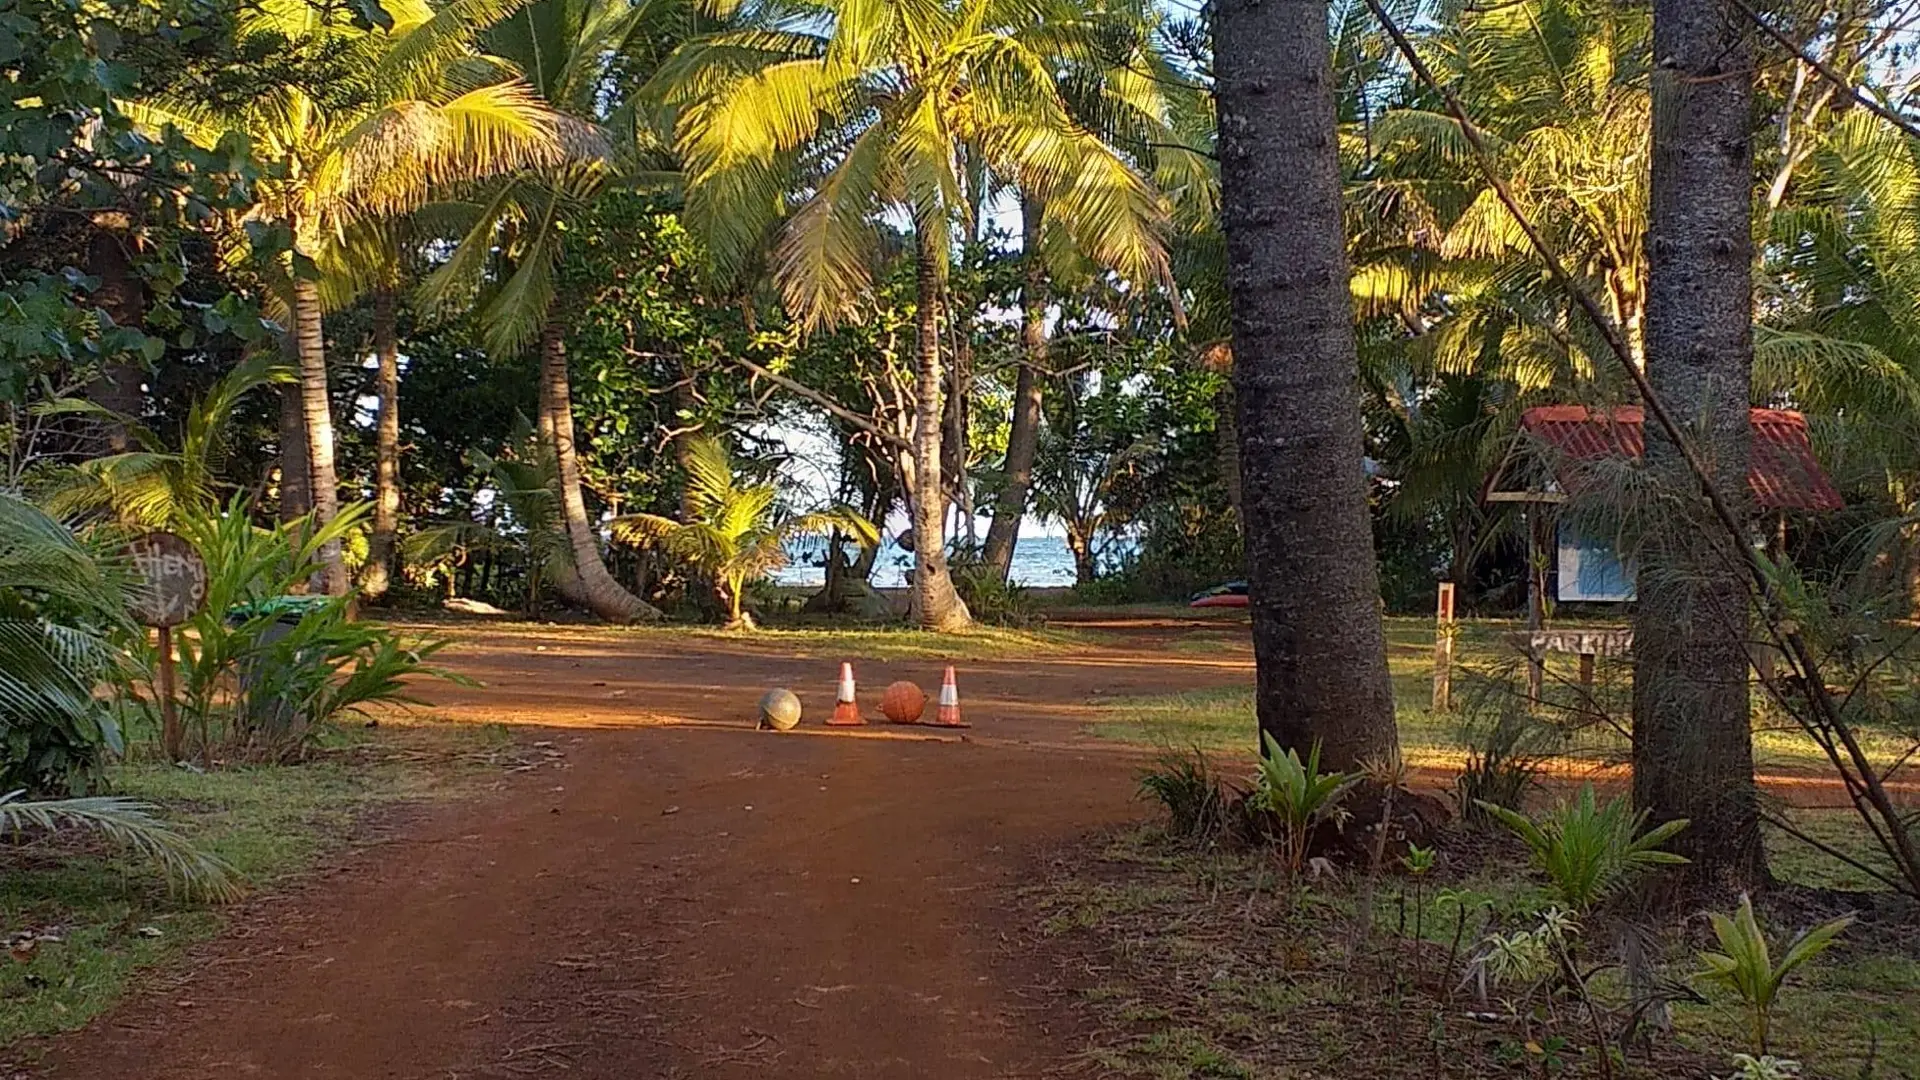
(683, 898)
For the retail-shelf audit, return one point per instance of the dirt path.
(679, 895)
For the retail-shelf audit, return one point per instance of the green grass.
(879, 642)
(114, 917)
(1487, 675)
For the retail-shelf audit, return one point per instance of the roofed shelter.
(1783, 476)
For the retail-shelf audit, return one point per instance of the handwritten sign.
(171, 580)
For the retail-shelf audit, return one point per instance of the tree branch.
(865, 424)
(1827, 72)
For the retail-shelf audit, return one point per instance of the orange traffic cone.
(846, 711)
(949, 714)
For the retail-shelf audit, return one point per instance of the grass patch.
(1487, 671)
(99, 917)
(878, 642)
(1209, 968)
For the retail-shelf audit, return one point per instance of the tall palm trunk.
(296, 485)
(1692, 740)
(589, 586)
(1318, 641)
(122, 297)
(316, 412)
(377, 575)
(936, 605)
(1023, 434)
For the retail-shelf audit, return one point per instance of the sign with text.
(170, 580)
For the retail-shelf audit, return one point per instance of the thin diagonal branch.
(1865, 100)
(865, 424)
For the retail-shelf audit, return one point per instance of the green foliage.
(265, 673)
(1299, 795)
(1591, 851)
(1745, 966)
(526, 480)
(61, 618)
(1184, 783)
(737, 531)
(1503, 764)
(990, 597)
(131, 825)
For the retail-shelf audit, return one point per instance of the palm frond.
(131, 825)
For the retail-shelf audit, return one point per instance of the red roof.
(1781, 469)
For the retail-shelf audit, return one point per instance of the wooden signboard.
(170, 587)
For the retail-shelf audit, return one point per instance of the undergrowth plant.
(1745, 965)
(1184, 783)
(258, 673)
(1299, 795)
(1589, 850)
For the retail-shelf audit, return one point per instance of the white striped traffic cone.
(949, 714)
(846, 711)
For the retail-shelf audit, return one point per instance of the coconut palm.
(418, 111)
(573, 52)
(737, 533)
(830, 132)
(155, 486)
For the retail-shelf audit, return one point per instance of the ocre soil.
(673, 894)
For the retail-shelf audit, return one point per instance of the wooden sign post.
(1443, 631)
(170, 587)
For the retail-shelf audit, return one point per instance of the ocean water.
(1038, 561)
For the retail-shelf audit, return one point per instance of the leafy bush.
(1746, 967)
(1299, 795)
(990, 597)
(1183, 782)
(1504, 764)
(264, 672)
(1588, 851)
(61, 614)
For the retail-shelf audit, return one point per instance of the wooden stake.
(170, 734)
(1443, 651)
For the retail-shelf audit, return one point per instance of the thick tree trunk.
(377, 575)
(589, 586)
(936, 605)
(1318, 641)
(316, 412)
(1692, 741)
(121, 296)
(1023, 433)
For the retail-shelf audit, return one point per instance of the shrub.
(1504, 764)
(1183, 782)
(1589, 851)
(265, 669)
(1299, 795)
(989, 596)
(61, 616)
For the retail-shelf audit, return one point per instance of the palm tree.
(736, 533)
(827, 132)
(573, 52)
(429, 114)
(152, 485)
(1319, 644)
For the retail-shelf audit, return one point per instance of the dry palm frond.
(132, 825)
